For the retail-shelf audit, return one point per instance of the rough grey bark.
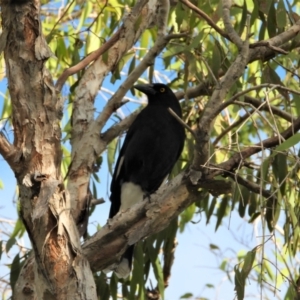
(60, 271)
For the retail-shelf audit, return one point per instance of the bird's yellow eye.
(162, 90)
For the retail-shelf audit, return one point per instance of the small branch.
(268, 45)
(120, 127)
(284, 115)
(203, 15)
(87, 60)
(61, 17)
(202, 89)
(233, 125)
(237, 158)
(97, 201)
(265, 52)
(98, 15)
(181, 122)
(234, 37)
(211, 72)
(253, 187)
(276, 111)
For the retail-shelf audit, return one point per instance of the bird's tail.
(124, 267)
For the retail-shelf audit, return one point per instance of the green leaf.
(280, 170)
(87, 9)
(244, 18)
(111, 151)
(244, 200)
(254, 217)
(248, 262)
(271, 20)
(114, 286)
(157, 269)
(132, 65)
(186, 296)
(281, 14)
(214, 247)
(187, 215)
(160, 277)
(138, 269)
(211, 209)
(102, 287)
(11, 242)
(15, 271)
(222, 211)
(223, 265)
(19, 229)
(239, 281)
(253, 204)
(290, 142)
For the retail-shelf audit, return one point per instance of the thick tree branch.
(144, 219)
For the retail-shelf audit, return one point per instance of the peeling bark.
(59, 270)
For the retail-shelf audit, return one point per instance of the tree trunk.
(59, 271)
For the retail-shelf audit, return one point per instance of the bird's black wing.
(151, 148)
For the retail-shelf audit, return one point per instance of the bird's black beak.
(145, 88)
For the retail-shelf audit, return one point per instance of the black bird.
(152, 146)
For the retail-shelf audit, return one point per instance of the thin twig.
(61, 17)
(97, 201)
(276, 111)
(253, 187)
(235, 160)
(257, 87)
(203, 15)
(233, 125)
(181, 122)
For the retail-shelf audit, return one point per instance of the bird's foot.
(147, 196)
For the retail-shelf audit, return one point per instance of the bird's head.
(160, 94)
(154, 90)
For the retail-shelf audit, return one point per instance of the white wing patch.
(130, 194)
(123, 269)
